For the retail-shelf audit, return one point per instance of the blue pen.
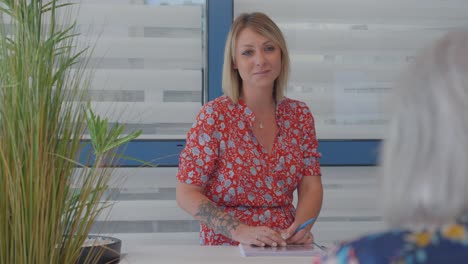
(302, 226)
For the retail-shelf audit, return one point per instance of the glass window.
(346, 55)
(148, 62)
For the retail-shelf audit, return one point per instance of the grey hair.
(425, 154)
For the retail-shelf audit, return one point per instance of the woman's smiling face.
(257, 59)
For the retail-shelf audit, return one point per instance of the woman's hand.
(303, 236)
(310, 195)
(258, 235)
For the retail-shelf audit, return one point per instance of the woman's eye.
(247, 53)
(270, 48)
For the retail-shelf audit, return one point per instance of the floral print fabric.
(223, 156)
(447, 244)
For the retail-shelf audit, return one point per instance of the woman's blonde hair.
(263, 25)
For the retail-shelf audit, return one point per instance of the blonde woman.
(251, 148)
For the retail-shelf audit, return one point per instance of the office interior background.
(157, 61)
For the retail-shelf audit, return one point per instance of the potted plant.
(47, 205)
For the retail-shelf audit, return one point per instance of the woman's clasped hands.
(259, 236)
(264, 236)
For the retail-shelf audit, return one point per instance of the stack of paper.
(289, 250)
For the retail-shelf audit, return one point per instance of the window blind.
(346, 55)
(148, 62)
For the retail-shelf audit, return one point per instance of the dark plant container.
(107, 250)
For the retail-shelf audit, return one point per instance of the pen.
(302, 226)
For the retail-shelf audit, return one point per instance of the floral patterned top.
(447, 244)
(223, 156)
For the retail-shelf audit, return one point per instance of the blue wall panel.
(349, 152)
(219, 20)
(166, 153)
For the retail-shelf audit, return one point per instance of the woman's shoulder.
(296, 110)
(293, 103)
(218, 104)
(294, 106)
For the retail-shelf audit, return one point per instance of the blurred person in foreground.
(251, 148)
(425, 165)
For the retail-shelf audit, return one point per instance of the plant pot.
(105, 248)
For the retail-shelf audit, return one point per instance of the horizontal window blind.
(346, 55)
(148, 62)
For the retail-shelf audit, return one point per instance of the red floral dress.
(223, 156)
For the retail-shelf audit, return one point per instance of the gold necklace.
(260, 125)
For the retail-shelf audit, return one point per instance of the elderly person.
(425, 168)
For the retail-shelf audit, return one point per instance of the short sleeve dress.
(223, 156)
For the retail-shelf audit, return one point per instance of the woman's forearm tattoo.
(215, 218)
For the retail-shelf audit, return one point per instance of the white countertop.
(201, 254)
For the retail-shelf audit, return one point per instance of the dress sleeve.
(309, 144)
(198, 159)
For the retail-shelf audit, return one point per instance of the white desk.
(181, 254)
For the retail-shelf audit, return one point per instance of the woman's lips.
(262, 72)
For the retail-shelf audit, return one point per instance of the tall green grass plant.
(46, 208)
